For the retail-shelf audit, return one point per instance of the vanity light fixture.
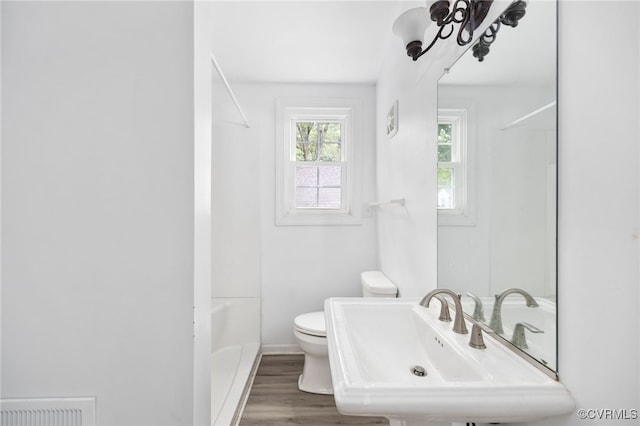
(468, 14)
(510, 17)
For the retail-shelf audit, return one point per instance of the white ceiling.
(345, 41)
(304, 41)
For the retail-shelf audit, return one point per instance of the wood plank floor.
(275, 400)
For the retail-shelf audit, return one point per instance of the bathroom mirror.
(497, 186)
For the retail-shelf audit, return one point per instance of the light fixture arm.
(511, 16)
(469, 14)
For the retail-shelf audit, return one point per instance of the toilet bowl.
(311, 334)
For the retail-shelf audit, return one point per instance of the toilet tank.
(376, 284)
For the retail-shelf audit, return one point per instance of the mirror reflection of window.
(452, 167)
(446, 173)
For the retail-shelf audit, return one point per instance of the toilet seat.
(312, 324)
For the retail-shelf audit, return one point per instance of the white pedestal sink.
(375, 346)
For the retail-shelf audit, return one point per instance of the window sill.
(456, 219)
(320, 218)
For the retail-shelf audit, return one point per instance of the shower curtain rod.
(531, 114)
(226, 83)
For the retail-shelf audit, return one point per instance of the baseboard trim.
(281, 349)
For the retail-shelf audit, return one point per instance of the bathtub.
(234, 352)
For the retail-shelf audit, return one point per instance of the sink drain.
(419, 371)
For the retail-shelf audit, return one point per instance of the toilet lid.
(311, 323)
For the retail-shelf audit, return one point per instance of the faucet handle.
(477, 341)
(445, 315)
(519, 339)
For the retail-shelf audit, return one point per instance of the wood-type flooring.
(274, 399)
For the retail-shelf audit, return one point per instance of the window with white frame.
(315, 163)
(318, 167)
(453, 167)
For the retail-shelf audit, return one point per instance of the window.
(316, 162)
(454, 168)
(319, 165)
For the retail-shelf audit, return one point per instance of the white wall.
(285, 259)
(598, 236)
(405, 169)
(97, 206)
(599, 213)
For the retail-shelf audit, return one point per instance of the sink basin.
(375, 345)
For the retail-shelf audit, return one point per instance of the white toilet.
(311, 334)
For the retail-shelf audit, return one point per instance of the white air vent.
(48, 412)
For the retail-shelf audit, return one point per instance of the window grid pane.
(446, 142)
(444, 152)
(306, 198)
(330, 176)
(330, 151)
(329, 198)
(448, 162)
(306, 141)
(306, 151)
(446, 188)
(318, 141)
(318, 186)
(306, 176)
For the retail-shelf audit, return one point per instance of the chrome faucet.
(518, 338)
(478, 311)
(496, 315)
(459, 325)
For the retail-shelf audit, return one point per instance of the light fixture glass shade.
(411, 25)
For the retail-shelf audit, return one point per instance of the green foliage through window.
(318, 141)
(444, 142)
(447, 161)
